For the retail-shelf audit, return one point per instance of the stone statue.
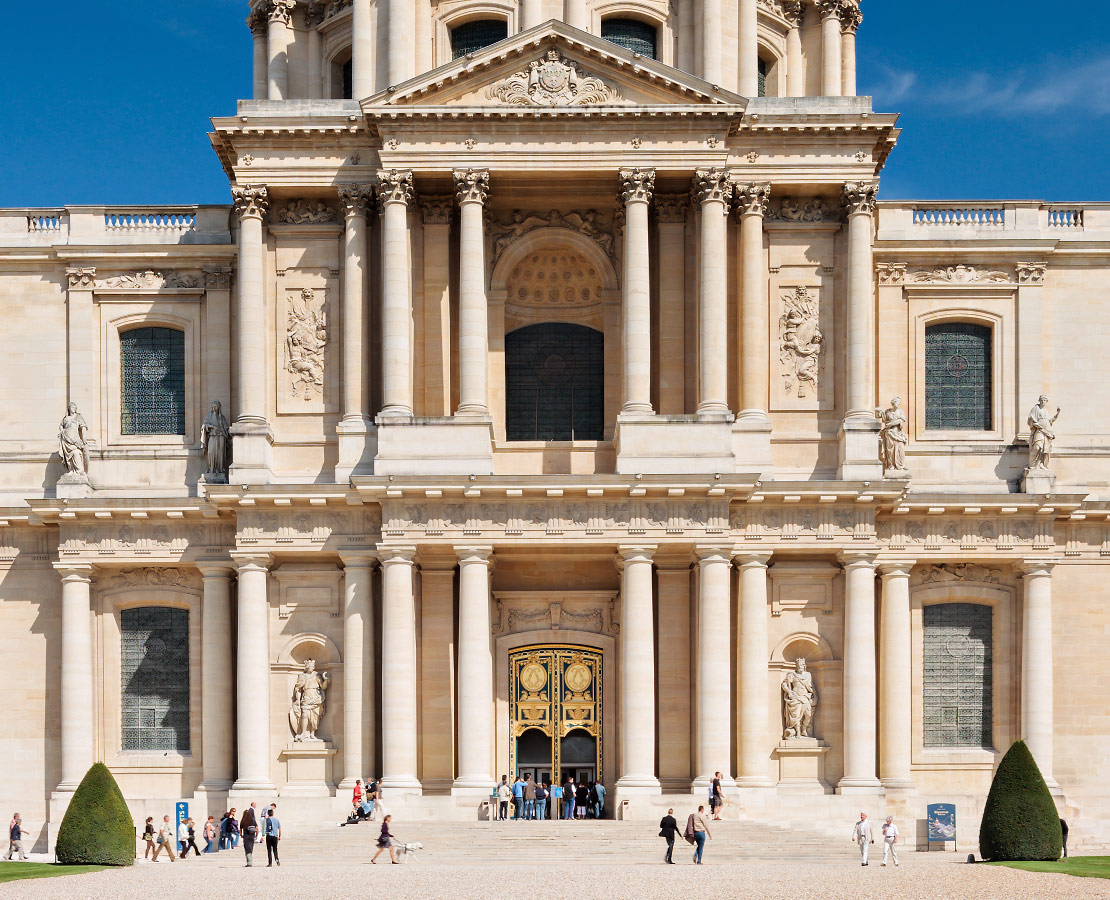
(307, 707)
(799, 698)
(215, 437)
(1041, 435)
(72, 435)
(892, 437)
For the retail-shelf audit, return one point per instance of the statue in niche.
(892, 437)
(1041, 435)
(215, 437)
(73, 438)
(307, 707)
(799, 699)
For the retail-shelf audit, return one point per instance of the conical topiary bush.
(97, 828)
(1020, 821)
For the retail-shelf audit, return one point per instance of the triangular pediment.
(555, 68)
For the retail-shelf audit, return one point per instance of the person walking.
(716, 796)
(166, 839)
(668, 828)
(248, 827)
(541, 801)
(599, 789)
(890, 838)
(861, 834)
(148, 837)
(385, 842)
(697, 827)
(568, 798)
(210, 834)
(1064, 833)
(529, 797)
(518, 797)
(190, 838)
(15, 837)
(183, 839)
(504, 798)
(273, 835)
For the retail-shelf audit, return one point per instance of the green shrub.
(1020, 821)
(97, 828)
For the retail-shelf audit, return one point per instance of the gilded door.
(557, 690)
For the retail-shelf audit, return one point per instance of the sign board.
(182, 812)
(941, 820)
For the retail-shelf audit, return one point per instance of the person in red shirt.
(356, 800)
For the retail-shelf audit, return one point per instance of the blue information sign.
(941, 818)
(182, 812)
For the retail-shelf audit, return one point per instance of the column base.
(405, 784)
(252, 453)
(473, 786)
(249, 786)
(214, 786)
(754, 783)
(644, 784)
(673, 445)
(859, 786)
(702, 782)
(434, 446)
(358, 445)
(898, 784)
(859, 449)
(751, 443)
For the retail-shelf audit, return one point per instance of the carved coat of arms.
(552, 81)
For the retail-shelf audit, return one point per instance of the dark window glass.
(152, 372)
(348, 80)
(473, 36)
(958, 377)
(155, 691)
(958, 675)
(554, 377)
(762, 77)
(632, 34)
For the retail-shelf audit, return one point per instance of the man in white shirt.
(890, 838)
(861, 834)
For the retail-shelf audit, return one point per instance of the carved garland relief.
(587, 222)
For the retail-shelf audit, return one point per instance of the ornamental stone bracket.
(518, 611)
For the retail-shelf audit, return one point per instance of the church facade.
(556, 394)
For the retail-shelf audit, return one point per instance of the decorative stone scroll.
(150, 577)
(553, 81)
(149, 280)
(305, 212)
(1031, 273)
(800, 342)
(587, 223)
(950, 572)
(960, 274)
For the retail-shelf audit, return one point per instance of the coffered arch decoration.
(811, 647)
(308, 645)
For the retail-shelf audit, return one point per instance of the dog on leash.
(404, 851)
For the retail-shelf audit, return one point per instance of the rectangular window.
(152, 376)
(155, 679)
(958, 682)
(958, 386)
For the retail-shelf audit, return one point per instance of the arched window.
(958, 679)
(632, 34)
(554, 380)
(342, 76)
(349, 80)
(958, 377)
(155, 679)
(762, 77)
(471, 37)
(152, 380)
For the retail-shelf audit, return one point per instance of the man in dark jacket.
(668, 828)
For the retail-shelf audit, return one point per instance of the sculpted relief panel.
(802, 325)
(305, 357)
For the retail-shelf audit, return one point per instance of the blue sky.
(109, 102)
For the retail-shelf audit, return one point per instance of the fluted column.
(401, 30)
(637, 675)
(749, 48)
(830, 47)
(713, 191)
(475, 721)
(313, 17)
(531, 14)
(399, 695)
(362, 49)
(251, 203)
(895, 690)
(795, 76)
(252, 676)
(395, 193)
(358, 654)
(850, 20)
(859, 672)
(472, 192)
(76, 662)
(258, 23)
(576, 14)
(637, 187)
(713, 703)
(752, 201)
(711, 23)
(277, 69)
(751, 667)
(217, 652)
(1037, 663)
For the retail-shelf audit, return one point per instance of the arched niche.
(813, 648)
(308, 645)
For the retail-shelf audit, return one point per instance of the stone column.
(895, 692)
(752, 670)
(795, 75)
(313, 17)
(637, 675)
(399, 737)
(401, 29)
(475, 721)
(77, 698)
(472, 191)
(672, 646)
(531, 14)
(362, 49)
(752, 201)
(1037, 663)
(713, 704)
(671, 230)
(859, 673)
(358, 655)
(711, 22)
(749, 48)
(850, 20)
(217, 653)
(637, 186)
(830, 47)
(395, 192)
(258, 24)
(277, 70)
(252, 676)
(576, 15)
(713, 191)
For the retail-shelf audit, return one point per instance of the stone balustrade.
(114, 225)
(1019, 219)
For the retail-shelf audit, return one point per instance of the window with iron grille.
(958, 377)
(554, 380)
(958, 679)
(762, 77)
(471, 37)
(155, 676)
(152, 375)
(632, 34)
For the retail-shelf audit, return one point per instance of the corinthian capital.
(282, 10)
(257, 19)
(712, 185)
(251, 200)
(850, 16)
(752, 198)
(356, 198)
(637, 185)
(793, 10)
(471, 186)
(828, 8)
(394, 186)
(859, 197)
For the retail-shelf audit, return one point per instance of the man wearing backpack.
(273, 835)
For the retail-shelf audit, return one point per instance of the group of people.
(364, 801)
(696, 833)
(863, 834)
(252, 828)
(15, 837)
(537, 800)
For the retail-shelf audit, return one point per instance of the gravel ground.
(916, 879)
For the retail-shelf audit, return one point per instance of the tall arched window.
(155, 679)
(554, 380)
(632, 34)
(959, 679)
(152, 381)
(762, 77)
(958, 385)
(471, 37)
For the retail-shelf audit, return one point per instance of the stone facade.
(758, 307)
